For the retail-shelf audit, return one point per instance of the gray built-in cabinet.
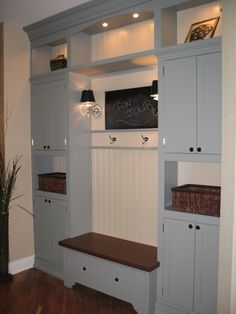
(189, 80)
(190, 265)
(192, 100)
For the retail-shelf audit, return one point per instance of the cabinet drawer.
(120, 281)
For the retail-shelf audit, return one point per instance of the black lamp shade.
(154, 89)
(87, 96)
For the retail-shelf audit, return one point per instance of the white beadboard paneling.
(60, 50)
(124, 40)
(199, 173)
(125, 194)
(197, 14)
(59, 164)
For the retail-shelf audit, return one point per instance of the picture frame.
(202, 30)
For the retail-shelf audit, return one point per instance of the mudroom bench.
(124, 269)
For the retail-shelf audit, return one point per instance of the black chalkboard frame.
(131, 108)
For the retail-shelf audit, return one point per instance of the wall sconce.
(88, 102)
(154, 90)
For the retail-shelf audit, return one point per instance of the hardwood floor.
(34, 292)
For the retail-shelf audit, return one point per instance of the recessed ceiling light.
(105, 24)
(135, 15)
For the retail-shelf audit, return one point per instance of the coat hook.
(144, 139)
(112, 139)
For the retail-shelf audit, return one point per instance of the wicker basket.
(60, 62)
(53, 182)
(197, 199)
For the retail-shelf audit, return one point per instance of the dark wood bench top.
(124, 252)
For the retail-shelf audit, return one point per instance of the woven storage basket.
(197, 199)
(53, 182)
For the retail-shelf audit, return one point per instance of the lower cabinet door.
(50, 226)
(178, 263)
(43, 229)
(206, 268)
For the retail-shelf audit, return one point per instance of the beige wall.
(17, 108)
(227, 258)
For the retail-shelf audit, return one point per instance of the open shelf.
(177, 20)
(42, 55)
(179, 173)
(128, 62)
(123, 36)
(43, 164)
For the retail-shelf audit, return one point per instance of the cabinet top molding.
(87, 12)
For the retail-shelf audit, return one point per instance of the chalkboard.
(131, 108)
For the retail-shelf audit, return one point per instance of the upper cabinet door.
(41, 116)
(209, 103)
(49, 115)
(58, 95)
(180, 105)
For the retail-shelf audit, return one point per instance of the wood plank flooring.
(34, 292)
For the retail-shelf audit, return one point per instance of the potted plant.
(8, 175)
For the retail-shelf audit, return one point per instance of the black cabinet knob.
(198, 227)
(49, 201)
(84, 268)
(199, 149)
(45, 200)
(191, 149)
(48, 147)
(116, 279)
(190, 226)
(44, 146)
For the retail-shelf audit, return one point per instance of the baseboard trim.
(21, 264)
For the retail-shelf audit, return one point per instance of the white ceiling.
(25, 12)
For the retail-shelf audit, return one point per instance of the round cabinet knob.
(190, 226)
(84, 268)
(48, 147)
(44, 146)
(116, 279)
(199, 149)
(49, 201)
(45, 200)
(191, 149)
(198, 227)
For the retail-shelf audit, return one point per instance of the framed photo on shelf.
(202, 30)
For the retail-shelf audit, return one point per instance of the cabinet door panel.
(209, 103)
(41, 116)
(206, 269)
(178, 263)
(59, 118)
(180, 104)
(59, 230)
(43, 229)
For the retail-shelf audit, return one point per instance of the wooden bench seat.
(124, 269)
(124, 252)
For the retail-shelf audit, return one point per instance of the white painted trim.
(21, 264)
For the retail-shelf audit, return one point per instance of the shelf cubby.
(176, 20)
(180, 172)
(46, 164)
(42, 55)
(124, 36)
